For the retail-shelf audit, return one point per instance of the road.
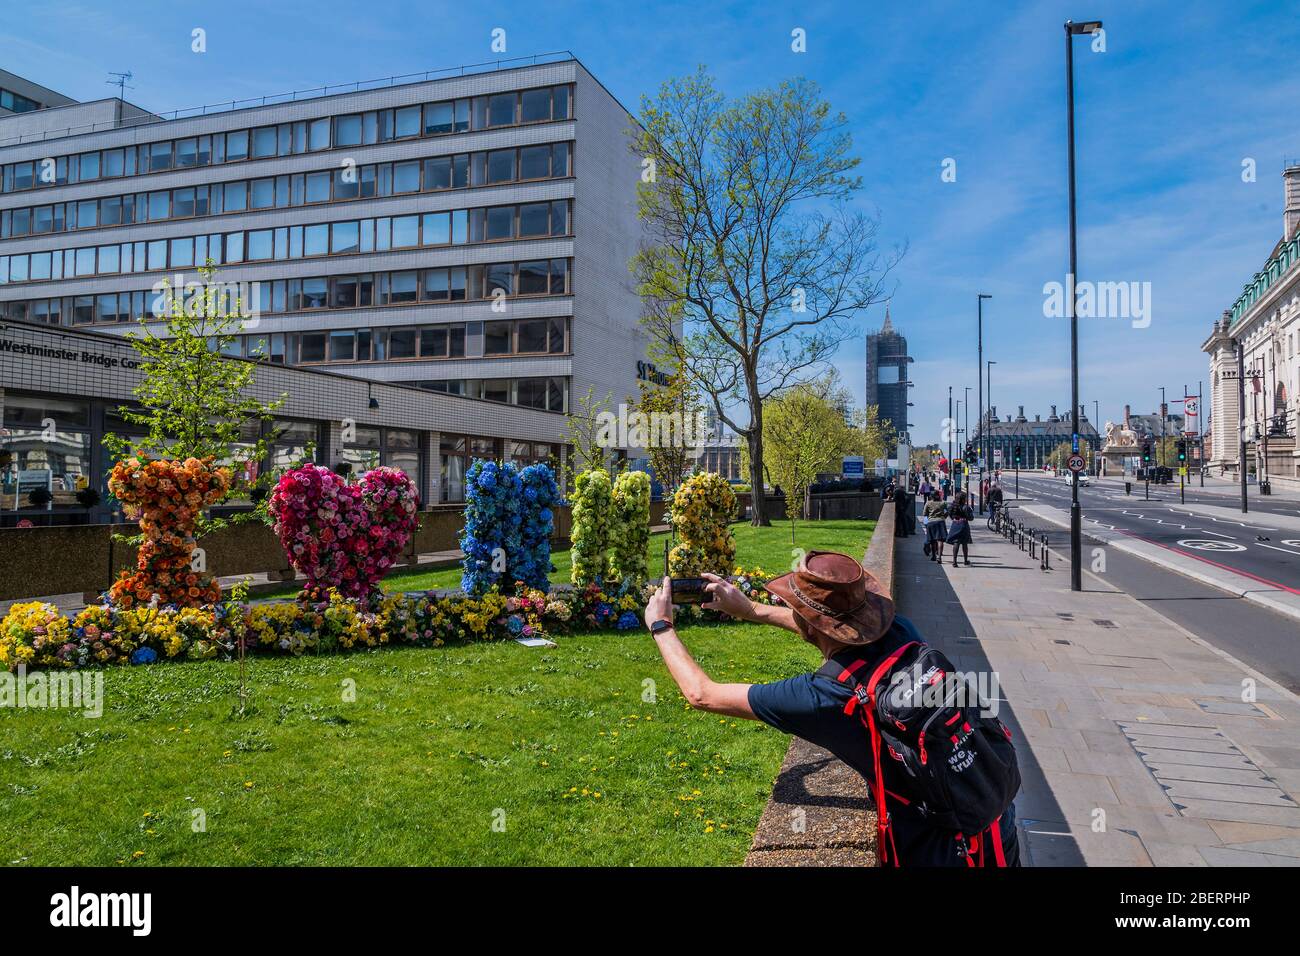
(1262, 638)
(1249, 544)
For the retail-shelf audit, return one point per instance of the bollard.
(1047, 562)
(1128, 487)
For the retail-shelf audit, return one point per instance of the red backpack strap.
(995, 834)
(885, 833)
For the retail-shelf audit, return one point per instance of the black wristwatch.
(658, 627)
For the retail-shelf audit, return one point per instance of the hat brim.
(868, 624)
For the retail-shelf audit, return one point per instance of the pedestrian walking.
(936, 528)
(945, 485)
(959, 527)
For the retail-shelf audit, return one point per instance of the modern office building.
(464, 233)
(20, 95)
(1036, 439)
(887, 377)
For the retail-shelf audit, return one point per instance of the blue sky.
(1183, 94)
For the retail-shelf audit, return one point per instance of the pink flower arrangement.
(340, 534)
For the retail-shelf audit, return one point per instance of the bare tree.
(756, 264)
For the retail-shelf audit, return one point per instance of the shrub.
(630, 528)
(702, 511)
(592, 501)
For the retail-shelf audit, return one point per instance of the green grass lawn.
(768, 548)
(565, 748)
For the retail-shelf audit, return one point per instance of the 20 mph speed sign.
(1076, 463)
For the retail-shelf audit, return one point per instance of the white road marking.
(1275, 548)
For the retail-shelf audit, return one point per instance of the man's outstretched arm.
(700, 690)
(726, 597)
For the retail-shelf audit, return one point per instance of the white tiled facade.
(604, 342)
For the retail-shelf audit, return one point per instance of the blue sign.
(1074, 443)
(853, 468)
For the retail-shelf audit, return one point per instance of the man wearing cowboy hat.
(833, 603)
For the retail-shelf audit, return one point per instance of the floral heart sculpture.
(341, 534)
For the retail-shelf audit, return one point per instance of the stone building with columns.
(1263, 325)
(1036, 439)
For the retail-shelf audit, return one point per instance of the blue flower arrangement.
(491, 532)
(532, 562)
(144, 655)
(508, 526)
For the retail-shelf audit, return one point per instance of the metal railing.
(1023, 536)
(293, 96)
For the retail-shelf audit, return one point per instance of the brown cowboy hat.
(837, 596)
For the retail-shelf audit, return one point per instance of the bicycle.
(997, 516)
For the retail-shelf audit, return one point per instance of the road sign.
(1076, 463)
(997, 456)
(853, 467)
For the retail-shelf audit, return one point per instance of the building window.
(30, 460)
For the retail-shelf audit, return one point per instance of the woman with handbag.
(936, 529)
(959, 530)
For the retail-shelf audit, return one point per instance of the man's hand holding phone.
(660, 605)
(726, 597)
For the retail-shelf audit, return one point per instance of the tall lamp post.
(979, 373)
(1096, 426)
(950, 427)
(988, 366)
(1164, 415)
(965, 428)
(957, 476)
(1073, 30)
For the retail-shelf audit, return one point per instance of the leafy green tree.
(805, 434)
(757, 267)
(194, 403)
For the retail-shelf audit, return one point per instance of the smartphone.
(686, 590)
(689, 590)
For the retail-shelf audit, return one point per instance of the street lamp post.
(1241, 418)
(989, 371)
(949, 429)
(957, 476)
(1164, 414)
(979, 373)
(1073, 30)
(1096, 427)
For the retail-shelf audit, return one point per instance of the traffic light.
(1017, 456)
(1146, 452)
(1182, 451)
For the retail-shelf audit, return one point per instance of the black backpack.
(959, 762)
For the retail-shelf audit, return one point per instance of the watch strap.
(661, 625)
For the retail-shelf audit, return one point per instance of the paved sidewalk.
(1136, 746)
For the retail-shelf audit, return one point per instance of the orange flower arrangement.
(168, 496)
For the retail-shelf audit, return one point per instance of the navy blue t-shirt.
(811, 706)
